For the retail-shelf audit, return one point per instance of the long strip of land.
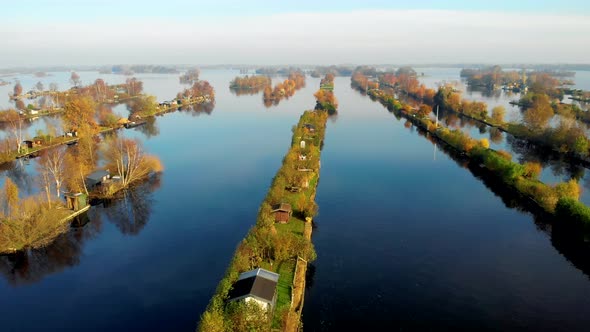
(561, 199)
(277, 243)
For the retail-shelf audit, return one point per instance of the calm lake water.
(407, 242)
(153, 261)
(406, 236)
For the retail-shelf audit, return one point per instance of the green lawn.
(286, 271)
(295, 226)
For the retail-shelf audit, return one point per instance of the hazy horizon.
(64, 32)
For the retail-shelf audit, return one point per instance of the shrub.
(569, 208)
(532, 170)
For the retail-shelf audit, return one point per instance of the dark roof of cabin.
(285, 207)
(97, 175)
(258, 283)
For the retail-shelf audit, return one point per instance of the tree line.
(561, 199)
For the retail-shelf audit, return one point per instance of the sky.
(93, 32)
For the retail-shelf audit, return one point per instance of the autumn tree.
(133, 86)
(79, 114)
(424, 110)
(247, 316)
(484, 143)
(569, 189)
(538, 115)
(144, 106)
(532, 170)
(498, 113)
(106, 117)
(212, 321)
(100, 89)
(75, 79)
(80, 161)
(11, 197)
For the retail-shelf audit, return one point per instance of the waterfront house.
(97, 178)
(258, 286)
(282, 212)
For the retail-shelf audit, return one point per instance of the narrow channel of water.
(408, 239)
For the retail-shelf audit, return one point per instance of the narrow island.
(250, 85)
(263, 287)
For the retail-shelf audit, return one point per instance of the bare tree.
(52, 161)
(129, 160)
(45, 181)
(15, 126)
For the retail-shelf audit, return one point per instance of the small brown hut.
(282, 212)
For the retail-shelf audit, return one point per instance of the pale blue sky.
(275, 32)
(72, 9)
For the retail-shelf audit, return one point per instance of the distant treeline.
(334, 70)
(139, 69)
(277, 70)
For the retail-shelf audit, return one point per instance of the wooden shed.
(76, 201)
(282, 212)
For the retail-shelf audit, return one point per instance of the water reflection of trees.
(131, 211)
(570, 239)
(531, 153)
(485, 92)
(33, 265)
(246, 92)
(198, 109)
(150, 128)
(16, 171)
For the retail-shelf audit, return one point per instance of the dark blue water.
(407, 242)
(404, 241)
(153, 261)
